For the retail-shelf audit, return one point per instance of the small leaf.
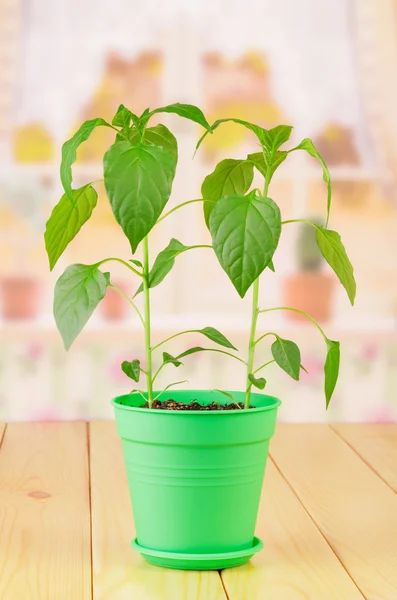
(163, 264)
(276, 137)
(187, 111)
(132, 369)
(259, 131)
(287, 355)
(259, 382)
(66, 221)
(229, 177)
(69, 151)
(170, 385)
(158, 136)
(216, 336)
(245, 232)
(261, 162)
(227, 394)
(332, 249)
(123, 118)
(137, 263)
(138, 181)
(78, 292)
(191, 351)
(308, 145)
(331, 369)
(168, 358)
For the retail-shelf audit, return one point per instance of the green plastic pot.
(195, 477)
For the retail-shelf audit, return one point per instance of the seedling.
(246, 226)
(139, 170)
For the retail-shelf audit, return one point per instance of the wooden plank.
(376, 443)
(118, 571)
(44, 512)
(296, 561)
(355, 510)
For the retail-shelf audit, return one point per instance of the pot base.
(198, 562)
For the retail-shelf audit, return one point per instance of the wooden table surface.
(328, 519)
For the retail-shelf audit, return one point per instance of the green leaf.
(137, 263)
(187, 111)
(245, 232)
(308, 145)
(258, 382)
(138, 181)
(66, 221)
(271, 266)
(158, 136)
(132, 369)
(123, 118)
(331, 369)
(261, 162)
(332, 249)
(259, 131)
(78, 292)
(216, 336)
(191, 351)
(287, 355)
(229, 177)
(227, 394)
(168, 358)
(164, 262)
(69, 151)
(276, 137)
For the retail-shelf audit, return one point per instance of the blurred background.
(327, 68)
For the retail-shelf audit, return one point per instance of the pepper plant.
(139, 169)
(246, 226)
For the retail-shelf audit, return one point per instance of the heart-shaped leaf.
(78, 292)
(258, 382)
(287, 355)
(229, 177)
(168, 358)
(187, 111)
(332, 249)
(132, 369)
(331, 369)
(261, 162)
(163, 264)
(69, 151)
(245, 232)
(138, 181)
(158, 136)
(216, 336)
(66, 221)
(308, 145)
(276, 137)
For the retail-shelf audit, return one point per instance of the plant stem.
(255, 313)
(146, 293)
(180, 206)
(263, 366)
(251, 343)
(123, 262)
(265, 335)
(134, 306)
(297, 311)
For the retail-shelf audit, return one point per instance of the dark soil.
(194, 405)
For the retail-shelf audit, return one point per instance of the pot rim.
(275, 403)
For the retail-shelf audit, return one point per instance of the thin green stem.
(173, 336)
(265, 335)
(134, 306)
(264, 365)
(255, 313)
(123, 262)
(298, 221)
(167, 214)
(297, 311)
(200, 246)
(146, 293)
(203, 350)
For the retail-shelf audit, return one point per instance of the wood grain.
(355, 510)
(296, 561)
(44, 512)
(119, 573)
(376, 443)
